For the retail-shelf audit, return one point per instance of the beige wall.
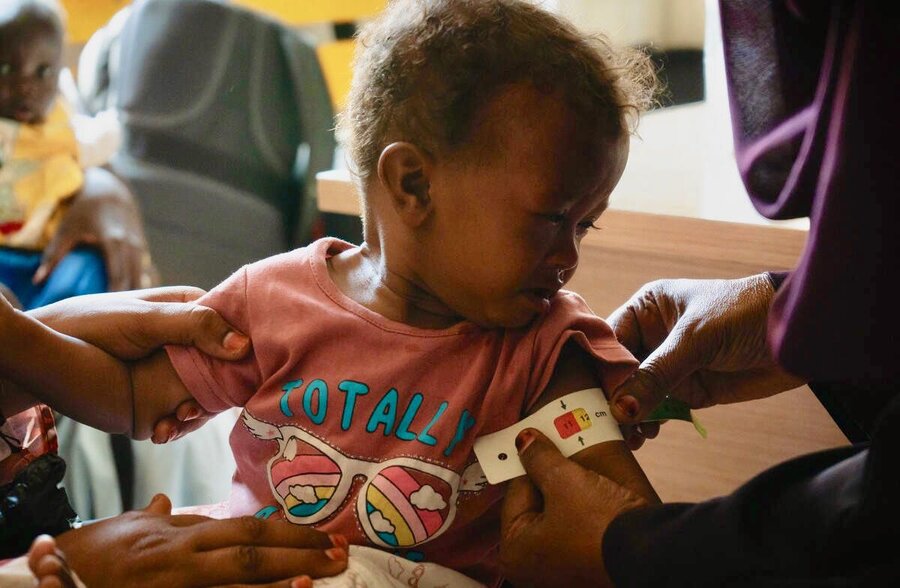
(665, 24)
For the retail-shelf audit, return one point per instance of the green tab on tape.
(673, 408)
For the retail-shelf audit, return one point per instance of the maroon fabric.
(814, 93)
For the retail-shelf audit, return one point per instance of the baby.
(41, 158)
(486, 137)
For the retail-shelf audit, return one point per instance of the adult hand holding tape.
(573, 422)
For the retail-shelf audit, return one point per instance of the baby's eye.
(45, 71)
(584, 227)
(556, 218)
(5, 69)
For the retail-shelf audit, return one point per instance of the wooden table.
(666, 220)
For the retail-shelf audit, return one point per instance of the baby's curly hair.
(423, 69)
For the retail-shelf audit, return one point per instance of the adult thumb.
(657, 377)
(195, 325)
(159, 505)
(543, 462)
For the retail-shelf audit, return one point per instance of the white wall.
(665, 24)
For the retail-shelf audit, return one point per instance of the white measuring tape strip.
(573, 422)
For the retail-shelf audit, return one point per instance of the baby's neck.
(364, 276)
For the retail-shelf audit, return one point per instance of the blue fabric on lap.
(82, 271)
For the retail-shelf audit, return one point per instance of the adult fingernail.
(339, 540)
(161, 434)
(302, 582)
(39, 275)
(336, 554)
(233, 341)
(524, 439)
(628, 405)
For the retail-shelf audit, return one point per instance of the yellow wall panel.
(336, 59)
(86, 16)
(298, 12)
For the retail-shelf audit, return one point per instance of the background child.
(41, 161)
(486, 137)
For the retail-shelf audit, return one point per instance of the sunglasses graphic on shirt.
(404, 501)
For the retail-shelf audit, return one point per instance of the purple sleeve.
(814, 105)
(777, 279)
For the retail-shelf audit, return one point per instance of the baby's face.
(30, 58)
(509, 219)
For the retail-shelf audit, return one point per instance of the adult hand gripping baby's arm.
(152, 547)
(701, 341)
(131, 325)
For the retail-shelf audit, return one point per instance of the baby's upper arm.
(157, 391)
(576, 370)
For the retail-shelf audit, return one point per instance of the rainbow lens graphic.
(307, 482)
(406, 506)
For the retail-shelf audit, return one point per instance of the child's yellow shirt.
(39, 171)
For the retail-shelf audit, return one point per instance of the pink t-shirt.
(360, 425)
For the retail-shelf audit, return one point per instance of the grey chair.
(226, 119)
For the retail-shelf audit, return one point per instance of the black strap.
(34, 503)
(123, 456)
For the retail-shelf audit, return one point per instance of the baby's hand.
(188, 417)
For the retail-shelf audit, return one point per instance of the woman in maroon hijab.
(814, 92)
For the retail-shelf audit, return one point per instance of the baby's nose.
(26, 86)
(565, 252)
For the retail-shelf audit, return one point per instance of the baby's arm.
(157, 392)
(575, 371)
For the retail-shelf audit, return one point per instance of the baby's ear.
(404, 170)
